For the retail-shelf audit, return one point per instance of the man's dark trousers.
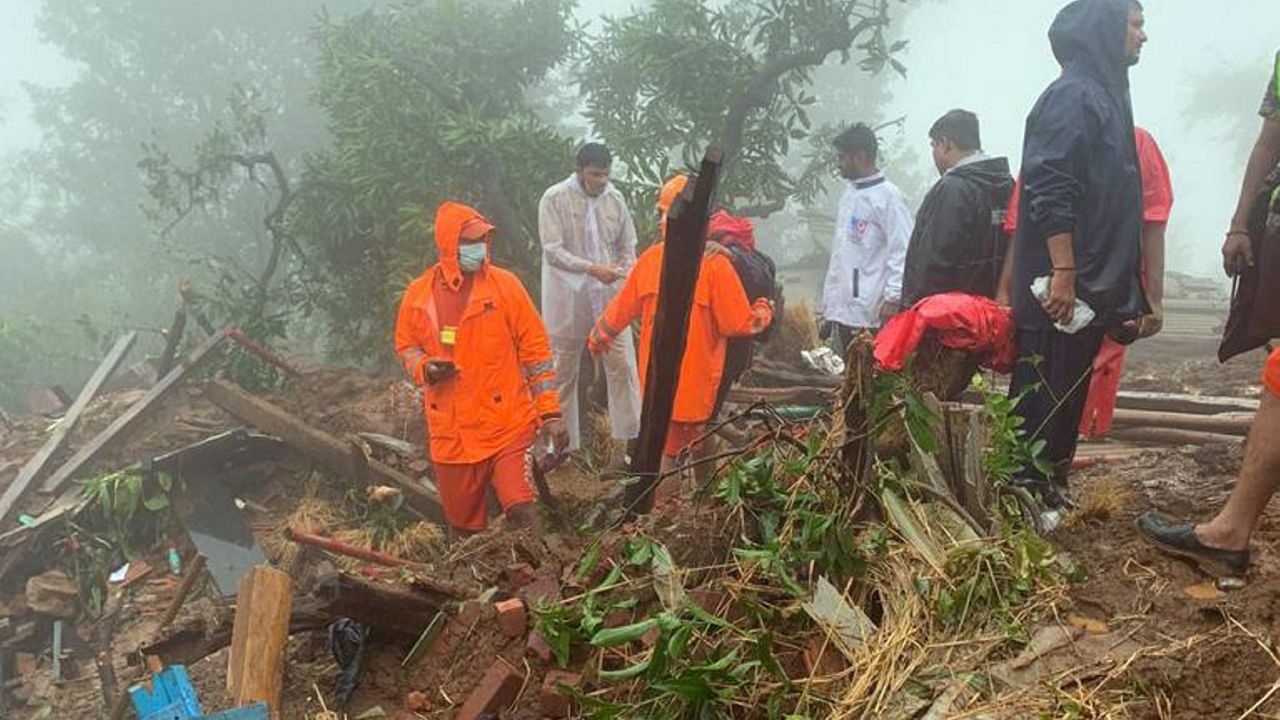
(1053, 370)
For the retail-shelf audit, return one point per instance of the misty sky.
(990, 56)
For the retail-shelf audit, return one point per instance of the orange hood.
(451, 218)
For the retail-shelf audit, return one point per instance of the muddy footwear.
(1180, 539)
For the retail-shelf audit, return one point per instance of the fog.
(87, 242)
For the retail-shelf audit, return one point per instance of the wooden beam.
(35, 466)
(1224, 424)
(259, 636)
(341, 458)
(1172, 436)
(131, 417)
(392, 611)
(681, 262)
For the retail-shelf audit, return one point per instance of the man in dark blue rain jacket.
(1082, 227)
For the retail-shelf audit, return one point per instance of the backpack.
(759, 278)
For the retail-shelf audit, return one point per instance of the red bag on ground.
(959, 321)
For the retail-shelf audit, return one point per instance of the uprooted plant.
(821, 608)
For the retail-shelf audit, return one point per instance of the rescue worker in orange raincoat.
(470, 336)
(721, 310)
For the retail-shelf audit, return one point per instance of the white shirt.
(576, 232)
(868, 253)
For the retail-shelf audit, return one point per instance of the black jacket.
(1080, 171)
(959, 243)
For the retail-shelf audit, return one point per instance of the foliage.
(126, 514)
(1009, 448)
(426, 102)
(658, 83)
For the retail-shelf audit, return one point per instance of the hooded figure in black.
(958, 244)
(1081, 210)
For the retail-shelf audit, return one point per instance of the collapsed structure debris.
(764, 597)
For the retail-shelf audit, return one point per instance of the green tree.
(663, 83)
(151, 71)
(426, 102)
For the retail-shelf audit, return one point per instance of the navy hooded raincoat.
(1080, 171)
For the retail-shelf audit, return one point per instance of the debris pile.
(859, 556)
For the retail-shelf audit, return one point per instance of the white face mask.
(472, 256)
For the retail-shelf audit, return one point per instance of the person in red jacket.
(721, 310)
(1157, 205)
(470, 336)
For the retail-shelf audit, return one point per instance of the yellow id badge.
(448, 335)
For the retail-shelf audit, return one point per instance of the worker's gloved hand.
(762, 309)
(554, 434)
(438, 371)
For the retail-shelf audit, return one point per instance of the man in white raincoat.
(588, 247)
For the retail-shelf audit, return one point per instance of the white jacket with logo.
(873, 228)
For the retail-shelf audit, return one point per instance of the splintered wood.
(255, 667)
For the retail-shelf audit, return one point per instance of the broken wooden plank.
(35, 466)
(261, 351)
(259, 636)
(341, 458)
(131, 417)
(1223, 424)
(392, 611)
(194, 572)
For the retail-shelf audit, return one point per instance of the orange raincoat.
(720, 311)
(505, 382)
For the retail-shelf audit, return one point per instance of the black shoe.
(1180, 539)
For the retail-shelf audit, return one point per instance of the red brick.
(513, 619)
(539, 647)
(554, 702)
(417, 701)
(619, 618)
(543, 591)
(520, 574)
(651, 638)
(495, 691)
(470, 612)
(708, 600)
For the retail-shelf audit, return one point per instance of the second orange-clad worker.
(470, 336)
(721, 310)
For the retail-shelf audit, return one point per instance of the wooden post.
(255, 667)
(340, 458)
(681, 262)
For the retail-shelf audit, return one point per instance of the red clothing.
(1157, 188)
(964, 322)
(720, 311)
(1271, 375)
(1157, 204)
(682, 436)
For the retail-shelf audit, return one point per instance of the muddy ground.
(1212, 654)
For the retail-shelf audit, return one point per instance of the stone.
(543, 591)
(520, 574)
(52, 593)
